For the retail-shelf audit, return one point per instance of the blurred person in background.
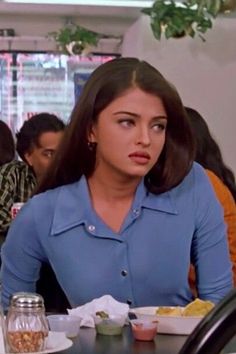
(209, 155)
(7, 144)
(36, 143)
(123, 208)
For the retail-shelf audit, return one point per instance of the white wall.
(38, 27)
(204, 73)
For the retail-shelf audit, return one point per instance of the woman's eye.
(159, 126)
(126, 122)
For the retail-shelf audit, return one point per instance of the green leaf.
(156, 29)
(194, 16)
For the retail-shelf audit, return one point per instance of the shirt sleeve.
(6, 198)
(22, 255)
(210, 252)
(229, 207)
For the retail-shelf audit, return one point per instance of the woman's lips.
(141, 158)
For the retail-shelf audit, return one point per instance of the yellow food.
(198, 308)
(195, 308)
(168, 311)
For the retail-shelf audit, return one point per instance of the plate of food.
(175, 319)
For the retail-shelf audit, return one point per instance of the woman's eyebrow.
(137, 115)
(128, 113)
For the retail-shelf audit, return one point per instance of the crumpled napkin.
(105, 303)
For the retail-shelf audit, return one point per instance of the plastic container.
(144, 329)
(111, 326)
(26, 324)
(68, 324)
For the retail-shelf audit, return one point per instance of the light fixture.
(113, 3)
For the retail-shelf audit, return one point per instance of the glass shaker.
(26, 323)
(2, 332)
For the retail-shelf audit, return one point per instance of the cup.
(144, 329)
(68, 324)
(15, 208)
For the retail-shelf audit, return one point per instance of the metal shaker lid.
(27, 300)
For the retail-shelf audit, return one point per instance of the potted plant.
(73, 39)
(174, 19)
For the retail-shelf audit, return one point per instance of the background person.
(208, 154)
(36, 143)
(124, 208)
(7, 144)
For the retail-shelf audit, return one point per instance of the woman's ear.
(92, 135)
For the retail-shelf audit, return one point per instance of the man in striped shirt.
(36, 143)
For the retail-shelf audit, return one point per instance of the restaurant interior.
(39, 70)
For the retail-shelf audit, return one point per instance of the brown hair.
(74, 158)
(7, 144)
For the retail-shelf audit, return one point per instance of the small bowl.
(144, 329)
(110, 326)
(68, 324)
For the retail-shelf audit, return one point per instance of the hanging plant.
(174, 19)
(73, 39)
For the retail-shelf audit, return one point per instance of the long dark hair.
(7, 144)
(208, 152)
(74, 158)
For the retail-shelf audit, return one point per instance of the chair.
(55, 299)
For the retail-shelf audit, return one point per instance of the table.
(89, 343)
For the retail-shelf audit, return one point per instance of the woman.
(7, 144)
(124, 210)
(208, 154)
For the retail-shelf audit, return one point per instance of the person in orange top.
(208, 154)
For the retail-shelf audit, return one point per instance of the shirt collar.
(163, 202)
(68, 212)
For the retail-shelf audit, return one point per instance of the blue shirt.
(146, 263)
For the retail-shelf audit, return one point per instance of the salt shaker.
(26, 324)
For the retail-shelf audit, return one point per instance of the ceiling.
(82, 9)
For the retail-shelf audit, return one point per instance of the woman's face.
(130, 134)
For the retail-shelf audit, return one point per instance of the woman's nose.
(143, 136)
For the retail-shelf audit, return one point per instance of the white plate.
(56, 341)
(169, 324)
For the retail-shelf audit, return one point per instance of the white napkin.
(105, 303)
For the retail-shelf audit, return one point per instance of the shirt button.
(129, 302)
(124, 273)
(91, 228)
(136, 211)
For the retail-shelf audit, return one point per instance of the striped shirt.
(17, 181)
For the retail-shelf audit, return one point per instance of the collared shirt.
(145, 263)
(17, 182)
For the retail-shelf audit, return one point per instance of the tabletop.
(89, 343)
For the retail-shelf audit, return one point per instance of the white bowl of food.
(176, 319)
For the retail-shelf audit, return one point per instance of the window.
(31, 83)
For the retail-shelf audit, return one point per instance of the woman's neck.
(112, 190)
(112, 197)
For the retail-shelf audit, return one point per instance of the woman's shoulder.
(196, 178)
(51, 195)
